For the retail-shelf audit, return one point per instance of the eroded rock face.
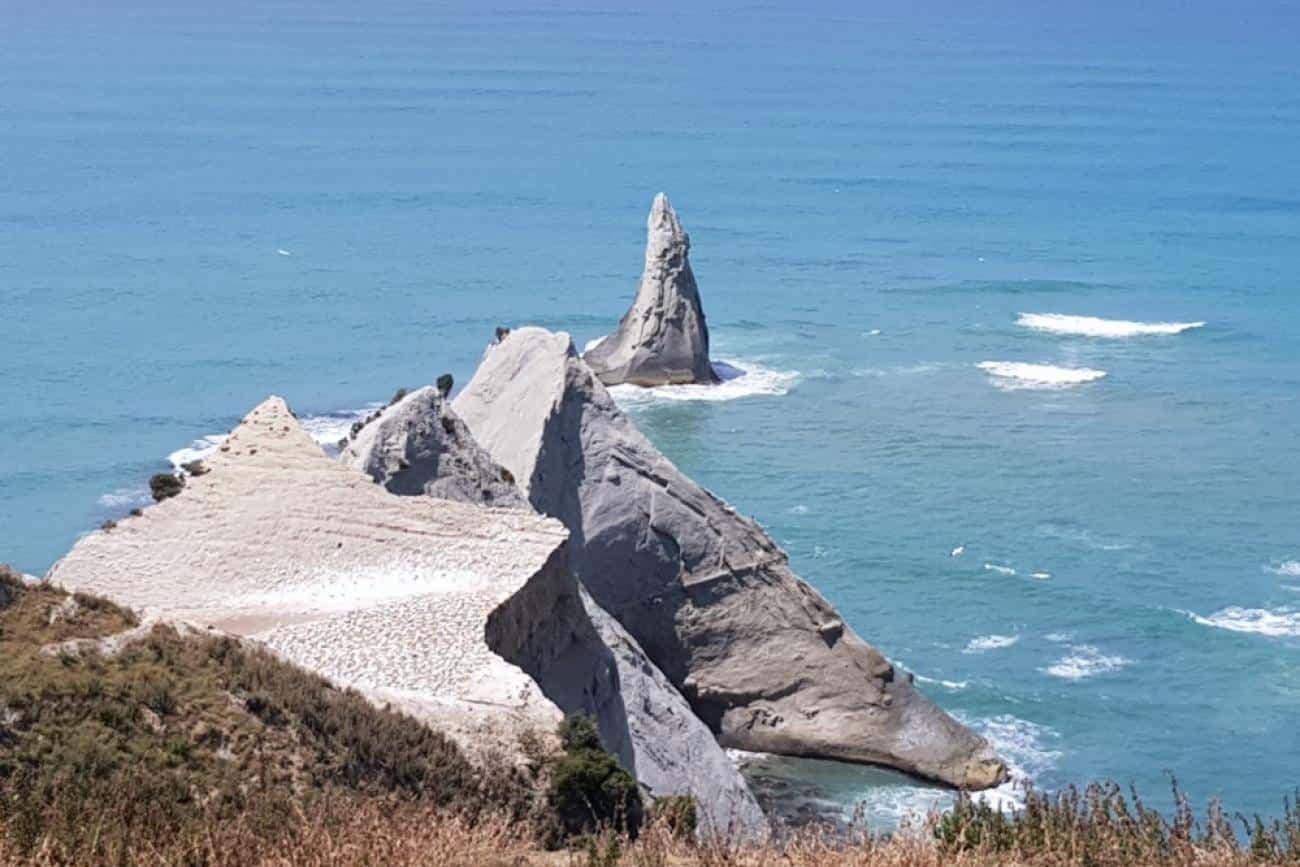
(663, 339)
(419, 446)
(760, 655)
(391, 595)
(582, 659)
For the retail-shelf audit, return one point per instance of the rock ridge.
(762, 657)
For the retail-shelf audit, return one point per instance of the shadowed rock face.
(581, 658)
(662, 339)
(759, 654)
(419, 446)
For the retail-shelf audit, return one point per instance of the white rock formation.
(391, 595)
(663, 339)
(419, 446)
(760, 655)
(583, 660)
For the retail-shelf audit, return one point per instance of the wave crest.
(1092, 326)
(1282, 623)
(990, 642)
(1084, 660)
(1013, 375)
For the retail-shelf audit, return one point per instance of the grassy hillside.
(107, 752)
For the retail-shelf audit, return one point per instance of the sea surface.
(1012, 295)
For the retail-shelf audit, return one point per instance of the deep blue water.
(204, 204)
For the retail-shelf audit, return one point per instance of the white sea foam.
(1291, 588)
(1282, 623)
(592, 344)
(1041, 576)
(1060, 637)
(1290, 568)
(744, 757)
(123, 497)
(1001, 570)
(990, 642)
(1021, 744)
(946, 684)
(1091, 326)
(739, 379)
(800, 509)
(1084, 660)
(1014, 375)
(196, 451)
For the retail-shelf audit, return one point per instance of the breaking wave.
(1084, 660)
(1091, 326)
(1282, 623)
(990, 642)
(1001, 570)
(739, 379)
(1291, 569)
(123, 497)
(1013, 375)
(1021, 744)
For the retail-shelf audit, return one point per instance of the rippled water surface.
(1015, 294)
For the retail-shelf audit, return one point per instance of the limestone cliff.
(663, 339)
(391, 595)
(759, 654)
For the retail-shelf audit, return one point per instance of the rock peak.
(663, 339)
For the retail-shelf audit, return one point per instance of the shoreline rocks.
(762, 658)
(663, 338)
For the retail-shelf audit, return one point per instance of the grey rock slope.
(663, 339)
(576, 652)
(419, 446)
(760, 655)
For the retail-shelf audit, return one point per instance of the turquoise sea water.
(202, 205)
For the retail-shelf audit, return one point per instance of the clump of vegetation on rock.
(444, 384)
(163, 486)
(590, 791)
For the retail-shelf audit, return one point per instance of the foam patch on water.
(739, 379)
(1016, 375)
(1084, 660)
(1282, 623)
(1290, 568)
(1001, 570)
(196, 451)
(1023, 746)
(1091, 326)
(1041, 576)
(986, 643)
(743, 757)
(954, 685)
(126, 497)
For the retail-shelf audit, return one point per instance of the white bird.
(958, 551)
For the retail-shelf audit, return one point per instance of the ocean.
(1014, 292)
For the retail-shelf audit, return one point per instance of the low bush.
(165, 485)
(589, 790)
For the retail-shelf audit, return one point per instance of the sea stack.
(663, 339)
(762, 657)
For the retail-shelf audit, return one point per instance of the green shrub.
(165, 485)
(444, 384)
(589, 790)
(578, 732)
